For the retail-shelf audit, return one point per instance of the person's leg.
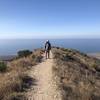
(46, 54)
(49, 54)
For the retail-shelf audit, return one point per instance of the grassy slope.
(14, 81)
(79, 74)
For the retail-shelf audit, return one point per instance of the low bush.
(24, 53)
(3, 66)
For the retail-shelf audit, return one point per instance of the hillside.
(79, 74)
(14, 80)
(67, 75)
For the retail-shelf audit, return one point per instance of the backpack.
(47, 46)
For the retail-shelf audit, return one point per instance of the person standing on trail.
(47, 49)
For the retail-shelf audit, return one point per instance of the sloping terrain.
(79, 74)
(14, 80)
(68, 75)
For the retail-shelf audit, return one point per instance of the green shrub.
(3, 66)
(33, 56)
(94, 65)
(24, 53)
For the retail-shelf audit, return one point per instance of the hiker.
(47, 49)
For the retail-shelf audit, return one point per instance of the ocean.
(12, 46)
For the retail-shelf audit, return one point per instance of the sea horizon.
(12, 46)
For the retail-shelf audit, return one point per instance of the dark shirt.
(47, 46)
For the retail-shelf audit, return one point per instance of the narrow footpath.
(45, 87)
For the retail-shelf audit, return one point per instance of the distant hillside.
(7, 58)
(96, 55)
(79, 74)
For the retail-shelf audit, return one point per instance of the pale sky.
(49, 19)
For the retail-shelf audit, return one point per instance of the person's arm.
(45, 46)
(50, 46)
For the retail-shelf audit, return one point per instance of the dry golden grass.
(11, 81)
(79, 74)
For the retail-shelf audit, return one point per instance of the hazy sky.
(50, 18)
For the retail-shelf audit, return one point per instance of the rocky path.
(45, 87)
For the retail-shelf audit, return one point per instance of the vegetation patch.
(24, 53)
(3, 66)
(79, 74)
(15, 80)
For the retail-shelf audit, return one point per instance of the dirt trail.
(45, 88)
